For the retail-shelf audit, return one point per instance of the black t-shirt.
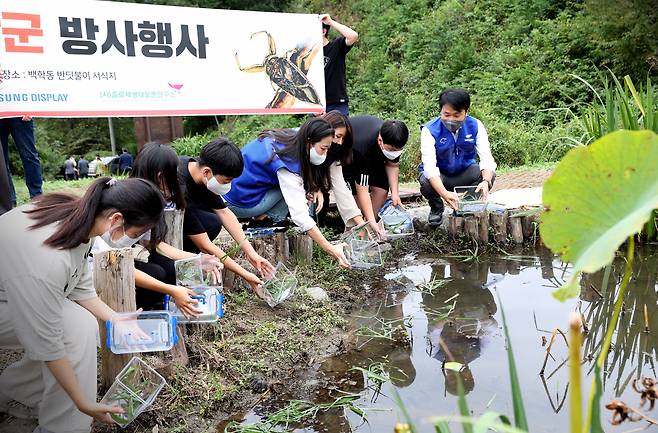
(334, 70)
(198, 197)
(367, 157)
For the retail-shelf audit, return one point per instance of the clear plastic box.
(470, 201)
(211, 303)
(190, 273)
(279, 285)
(149, 331)
(134, 389)
(360, 232)
(364, 254)
(395, 221)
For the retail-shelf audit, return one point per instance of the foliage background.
(514, 56)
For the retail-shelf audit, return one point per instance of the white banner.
(96, 58)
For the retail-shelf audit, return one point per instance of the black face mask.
(335, 153)
(452, 125)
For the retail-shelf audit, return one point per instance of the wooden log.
(455, 226)
(499, 224)
(114, 280)
(301, 247)
(174, 237)
(534, 225)
(483, 228)
(546, 263)
(471, 227)
(174, 222)
(515, 229)
(275, 248)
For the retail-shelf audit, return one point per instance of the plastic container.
(360, 232)
(395, 221)
(279, 285)
(150, 331)
(364, 254)
(470, 201)
(190, 273)
(211, 303)
(134, 389)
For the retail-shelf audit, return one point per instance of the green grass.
(74, 186)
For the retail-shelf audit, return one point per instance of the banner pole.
(113, 140)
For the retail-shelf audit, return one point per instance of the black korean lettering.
(113, 40)
(150, 33)
(80, 42)
(186, 43)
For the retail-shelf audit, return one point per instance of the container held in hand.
(470, 200)
(210, 304)
(149, 331)
(198, 271)
(395, 221)
(363, 254)
(361, 232)
(279, 285)
(134, 389)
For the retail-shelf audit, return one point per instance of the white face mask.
(315, 157)
(124, 241)
(218, 188)
(392, 155)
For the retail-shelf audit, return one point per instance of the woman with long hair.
(280, 168)
(159, 164)
(48, 304)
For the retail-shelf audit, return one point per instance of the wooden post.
(455, 226)
(275, 248)
(174, 222)
(301, 247)
(515, 229)
(483, 228)
(499, 224)
(471, 227)
(546, 263)
(114, 279)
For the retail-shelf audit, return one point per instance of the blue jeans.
(342, 107)
(23, 134)
(273, 205)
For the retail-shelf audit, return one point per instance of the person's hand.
(452, 199)
(326, 19)
(260, 263)
(185, 303)
(27, 118)
(100, 412)
(212, 265)
(377, 228)
(483, 188)
(256, 285)
(318, 199)
(338, 252)
(396, 201)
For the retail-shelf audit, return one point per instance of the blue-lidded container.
(395, 221)
(211, 304)
(149, 331)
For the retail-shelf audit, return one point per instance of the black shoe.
(435, 218)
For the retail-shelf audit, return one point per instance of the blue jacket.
(125, 161)
(453, 156)
(259, 173)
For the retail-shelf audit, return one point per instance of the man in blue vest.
(450, 147)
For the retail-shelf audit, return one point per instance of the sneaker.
(434, 219)
(16, 409)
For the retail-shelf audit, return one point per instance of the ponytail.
(139, 201)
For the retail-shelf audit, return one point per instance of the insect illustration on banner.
(287, 74)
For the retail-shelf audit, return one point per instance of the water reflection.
(402, 323)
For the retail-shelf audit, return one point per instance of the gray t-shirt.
(35, 280)
(69, 167)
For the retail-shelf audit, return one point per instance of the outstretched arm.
(350, 35)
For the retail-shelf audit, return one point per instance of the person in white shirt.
(450, 147)
(280, 168)
(48, 304)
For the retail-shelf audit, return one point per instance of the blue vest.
(258, 175)
(453, 156)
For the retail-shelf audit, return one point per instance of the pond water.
(398, 331)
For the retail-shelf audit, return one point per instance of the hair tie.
(111, 182)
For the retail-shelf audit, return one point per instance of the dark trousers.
(5, 198)
(341, 107)
(469, 177)
(162, 269)
(204, 222)
(23, 134)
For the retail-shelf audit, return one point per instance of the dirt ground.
(257, 351)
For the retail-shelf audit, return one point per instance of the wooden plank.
(114, 280)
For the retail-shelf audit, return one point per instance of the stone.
(317, 294)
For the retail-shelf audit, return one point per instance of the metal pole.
(113, 140)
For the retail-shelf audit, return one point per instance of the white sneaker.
(16, 409)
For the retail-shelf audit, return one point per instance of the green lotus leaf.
(596, 198)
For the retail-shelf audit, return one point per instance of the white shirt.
(292, 188)
(345, 202)
(428, 151)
